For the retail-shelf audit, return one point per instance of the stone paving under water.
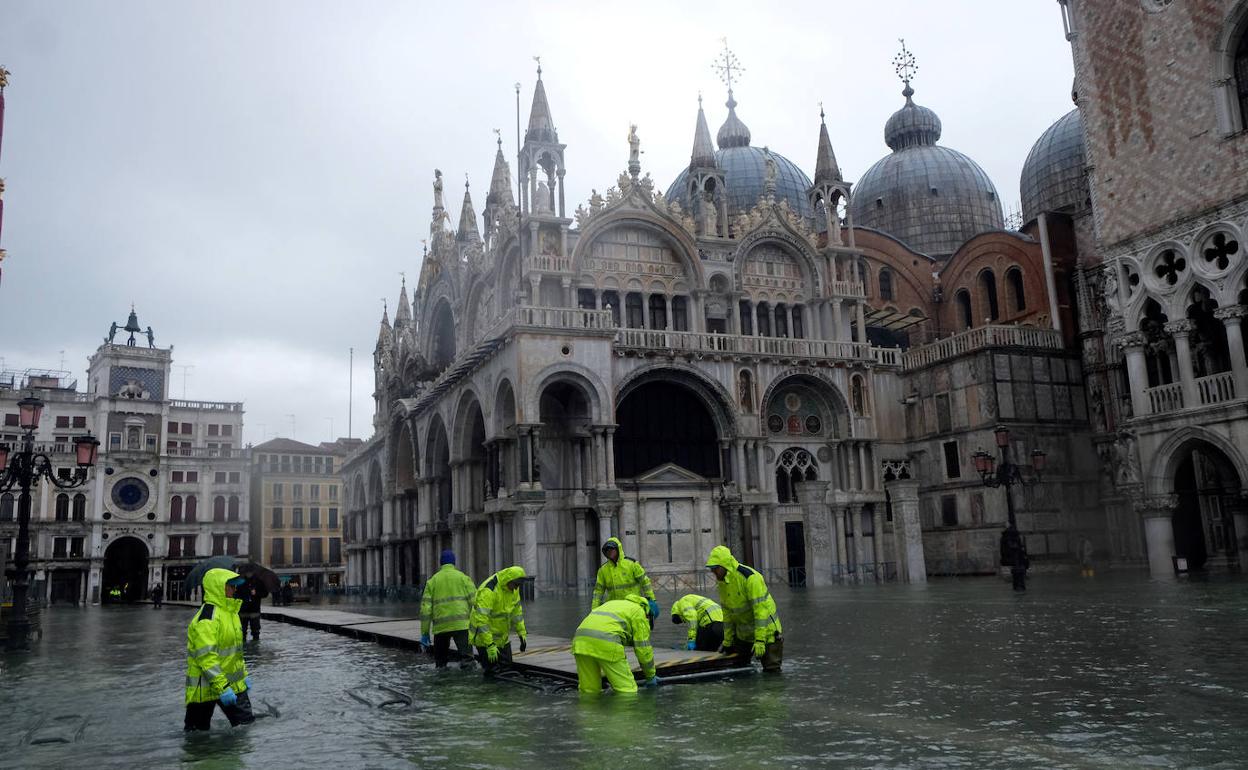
(1114, 671)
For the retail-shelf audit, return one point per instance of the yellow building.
(297, 510)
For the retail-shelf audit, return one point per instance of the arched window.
(799, 331)
(233, 508)
(746, 311)
(632, 307)
(764, 319)
(218, 508)
(747, 391)
(192, 505)
(80, 507)
(680, 314)
(175, 509)
(62, 507)
(963, 300)
(782, 320)
(886, 283)
(794, 467)
(658, 311)
(611, 300)
(988, 285)
(1241, 77)
(858, 395)
(1014, 283)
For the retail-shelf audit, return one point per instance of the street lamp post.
(22, 469)
(1007, 474)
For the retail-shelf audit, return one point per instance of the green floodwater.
(1114, 671)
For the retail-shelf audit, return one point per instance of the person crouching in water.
(496, 610)
(751, 624)
(705, 619)
(215, 672)
(599, 643)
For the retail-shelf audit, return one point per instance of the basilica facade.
(800, 367)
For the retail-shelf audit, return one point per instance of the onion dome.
(1054, 177)
(932, 198)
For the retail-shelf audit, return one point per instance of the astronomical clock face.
(130, 495)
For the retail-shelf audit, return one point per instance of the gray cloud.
(255, 176)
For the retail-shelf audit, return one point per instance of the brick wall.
(1144, 78)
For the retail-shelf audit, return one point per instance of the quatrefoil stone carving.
(1219, 251)
(1170, 266)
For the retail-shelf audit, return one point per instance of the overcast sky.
(255, 176)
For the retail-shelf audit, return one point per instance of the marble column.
(610, 452)
(1180, 331)
(854, 541)
(583, 579)
(907, 532)
(493, 542)
(528, 558)
(838, 321)
(1157, 512)
(877, 541)
(1232, 318)
(842, 558)
(1132, 345)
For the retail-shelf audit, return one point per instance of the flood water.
(1109, 672)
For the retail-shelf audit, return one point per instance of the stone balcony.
(1210, 391)
(981, 338)
(643, 341)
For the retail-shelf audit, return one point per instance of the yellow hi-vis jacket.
(749, 610)
(605, 632)
(696, 611)
(496, 610)
(447, 601)
(214, 643)
(618, 580)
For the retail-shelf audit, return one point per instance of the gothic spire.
(826, 169)
(500, 180)
(733, 133)
(703, 155)
(403, 315)
(467, 231)
(384, 334)
(541, 124)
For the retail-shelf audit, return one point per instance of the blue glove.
(247, 682)
(654, 608)
(424, 640)
(228, 698)
(652, 681)
(690, 645)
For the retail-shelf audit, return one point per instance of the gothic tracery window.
(886, 283)
(793, 467)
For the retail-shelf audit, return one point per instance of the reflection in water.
(1075, 673)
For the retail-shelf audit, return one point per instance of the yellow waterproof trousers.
(591, 670)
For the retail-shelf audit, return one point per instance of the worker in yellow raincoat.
(751, 624)
(599, 643)
(620, 576)
(215, 672)
(496, 611)
(705, 620)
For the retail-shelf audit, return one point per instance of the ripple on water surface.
(960, 673)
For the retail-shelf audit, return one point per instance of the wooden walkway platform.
(546, 655)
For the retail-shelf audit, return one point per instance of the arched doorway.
(1204, 521)
(665, 422)
(125, 567)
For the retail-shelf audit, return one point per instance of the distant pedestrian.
(158, 595)
(215, 672)
(249, 614)
(1014, 556)
(1087, 552)
(444, 608)
(288, 594)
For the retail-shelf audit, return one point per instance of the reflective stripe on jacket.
(496, 610)
(447, 601)
(606, 630)
(214, 643)
(619, 579)
(749, 610)
(697, 611)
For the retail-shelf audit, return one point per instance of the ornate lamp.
(4, 457)
(1038, 460)
(29, 410)
(1003, 436)
(85, 449)
(984, 463)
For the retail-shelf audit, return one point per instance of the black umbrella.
(196, 576)
(266, 580)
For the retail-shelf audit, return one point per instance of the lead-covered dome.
(745, 172)
(932, 198)
(1054, 176)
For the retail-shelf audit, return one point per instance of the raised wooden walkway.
(546, 655)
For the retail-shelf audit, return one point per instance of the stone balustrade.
(739, 344)
(1165, 398)
(981, 338)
